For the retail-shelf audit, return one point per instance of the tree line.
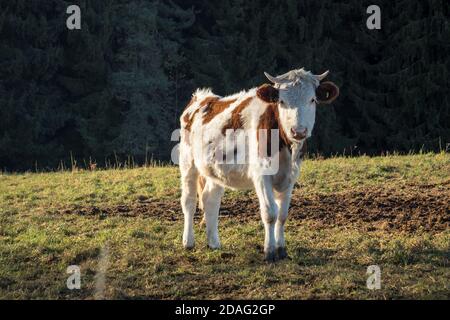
(116, 88)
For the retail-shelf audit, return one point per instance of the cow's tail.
(201, 181)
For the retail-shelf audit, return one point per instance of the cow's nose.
(299, 134)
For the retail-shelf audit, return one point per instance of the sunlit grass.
(32, 191)
(38, 243)
(147, 261)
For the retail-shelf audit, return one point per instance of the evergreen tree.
(146, 53)
(418, 64)
(30, 56)
(119, 85)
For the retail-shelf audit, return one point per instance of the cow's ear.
(268, 93)
(327, 92)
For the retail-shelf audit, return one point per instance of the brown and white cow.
(211, 124)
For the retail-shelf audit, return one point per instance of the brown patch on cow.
(193, 100)
(186, 117)
(214, 108)
(189, 119)
(270, 120)
(235, 122)
(207, 101)
(268, 93)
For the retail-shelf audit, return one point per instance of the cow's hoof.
(214, 245)
(270, 256)
(188, 244)
(213, 240)
(282, 253)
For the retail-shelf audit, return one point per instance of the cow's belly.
(212, 157)
(236, 179)
(232, 176)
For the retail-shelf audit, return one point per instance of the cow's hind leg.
(211, 198)
(189, 176)
(269, 212)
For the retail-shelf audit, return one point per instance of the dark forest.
(116, 88)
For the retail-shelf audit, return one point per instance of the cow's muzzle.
(299, 134)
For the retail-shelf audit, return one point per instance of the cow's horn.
(278, 80)
(322, 76)
(272, 79)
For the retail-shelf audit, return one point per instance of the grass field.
(347, 214)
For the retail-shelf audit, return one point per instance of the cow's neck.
(284, 140)
(298, 151)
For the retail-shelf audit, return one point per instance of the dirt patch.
(407, 208)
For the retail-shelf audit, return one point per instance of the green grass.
(38, 242)
(55, 190)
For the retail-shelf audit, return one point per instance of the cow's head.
(298, 92)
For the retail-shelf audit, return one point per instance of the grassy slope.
(146, 259)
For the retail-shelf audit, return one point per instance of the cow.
(286, 106)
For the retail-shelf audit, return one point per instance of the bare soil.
(407, 208)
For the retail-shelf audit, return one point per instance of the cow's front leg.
(269, 211)
(283, 200)
(211, 197)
